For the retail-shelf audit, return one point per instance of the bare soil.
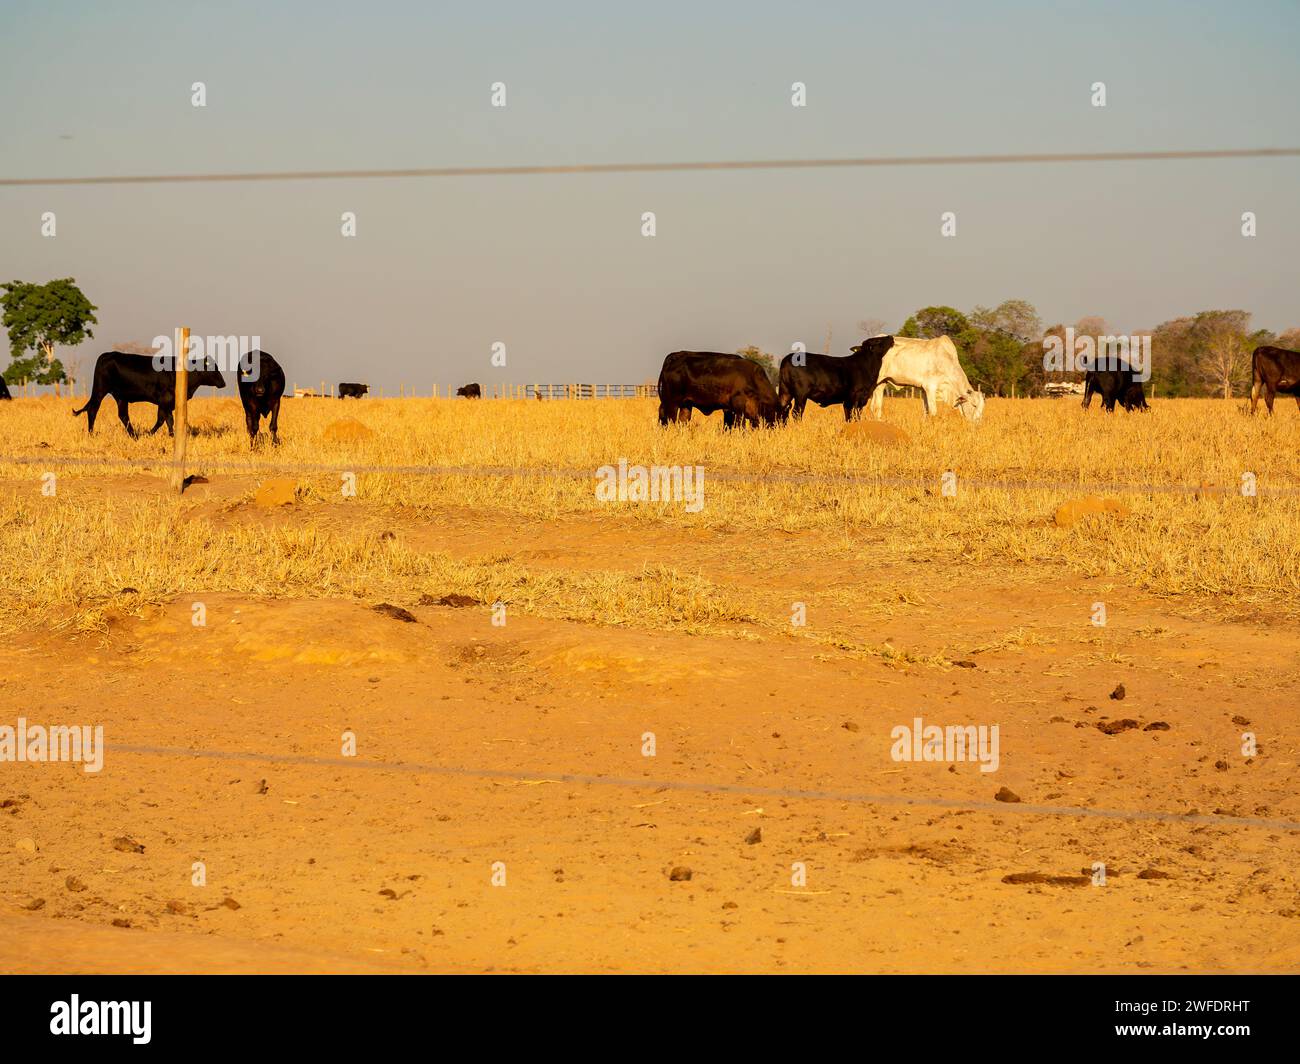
(484, 751)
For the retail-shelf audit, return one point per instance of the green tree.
(994, 344)
(1172, 362)
(1000, 357)
(929, 322)
(766, 361)
(39, 316)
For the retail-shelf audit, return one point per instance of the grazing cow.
(260, 389)
(135, 379)
(352, 391)
(470, 391)
(1134, 397)
(1114, 385)
(707, 381)
(827, 380)
(1276, 371)
(932, 366)
(4, 390)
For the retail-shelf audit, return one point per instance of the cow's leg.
(275, 421)
(92, 408)
(164, 418)
(251, 419)
(1254, 398)
(124, 416)
(877, 402)
(927, 401)
(1268, 399)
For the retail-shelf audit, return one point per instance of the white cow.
(932, 366)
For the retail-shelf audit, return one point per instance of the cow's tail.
(82, 410)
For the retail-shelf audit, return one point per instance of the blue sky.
(555, 266)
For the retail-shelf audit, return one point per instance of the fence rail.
(492, 391)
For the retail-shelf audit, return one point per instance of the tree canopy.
(38, 317)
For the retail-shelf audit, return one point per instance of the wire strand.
(656, 168)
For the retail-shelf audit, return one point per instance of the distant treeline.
(1002, 348)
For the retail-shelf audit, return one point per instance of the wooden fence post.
(182, 412)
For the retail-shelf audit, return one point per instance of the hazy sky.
(556, 266)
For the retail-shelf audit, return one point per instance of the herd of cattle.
(706, 381)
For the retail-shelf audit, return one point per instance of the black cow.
(1134, 398)
(261, 384)
(707, 381)
(135, 379)
(1276, 371)
(1114, 385)
(828, 380)
(470, 391)
(352, 391)
(4, 390)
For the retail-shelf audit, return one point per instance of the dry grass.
(72, 557)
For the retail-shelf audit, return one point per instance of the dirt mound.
(280, 491)
(347, 430)
(1070, 513)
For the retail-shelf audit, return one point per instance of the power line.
(659, 168)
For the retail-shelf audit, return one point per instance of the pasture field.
(518, 749)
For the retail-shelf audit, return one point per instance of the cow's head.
(970, 405)
(207, 375)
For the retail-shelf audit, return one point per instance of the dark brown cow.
(261, 386)
(707, 381)
(1276, 371)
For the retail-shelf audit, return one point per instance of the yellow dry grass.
(1026, 458)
